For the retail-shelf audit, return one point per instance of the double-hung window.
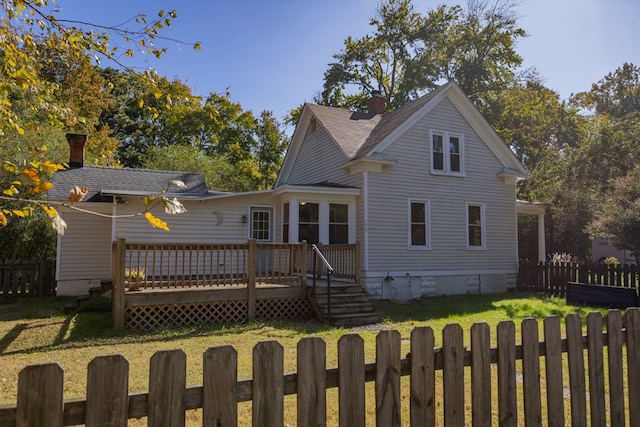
(475, 226)
(309, 222)
(419, 232)
(338, 223)
(446, 153)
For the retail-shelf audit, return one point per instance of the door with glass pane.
(261, 229)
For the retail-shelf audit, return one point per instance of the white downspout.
(365, 190)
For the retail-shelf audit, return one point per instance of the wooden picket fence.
(552, 278)
(598, 390)
(27, 278)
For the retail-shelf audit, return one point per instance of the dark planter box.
(601, 296)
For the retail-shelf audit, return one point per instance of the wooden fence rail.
(40, 387)
(32, 278)
(552, 278)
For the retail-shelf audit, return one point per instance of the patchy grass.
(36, 330)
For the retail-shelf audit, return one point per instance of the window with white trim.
(475, 226)
(446, 153)
(261, 223)
(309, 222)
(338, 223)
(419, 230)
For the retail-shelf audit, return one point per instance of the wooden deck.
(209, 293)
(184, 284)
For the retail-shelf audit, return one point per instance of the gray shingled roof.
(357, 133)
(121, 181)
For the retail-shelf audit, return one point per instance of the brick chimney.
(76, 149)
(376, 103)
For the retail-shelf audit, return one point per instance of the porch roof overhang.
(318, 189)
(525, 208)
(367, 163)
(183, 196)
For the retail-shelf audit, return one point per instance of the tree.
(619, 216)
(27, 34)
(217, 173)
(408, 54)
(382, 61)
(616, 95)
(475, 47)
(271, 145)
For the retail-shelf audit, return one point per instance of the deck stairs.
(95, 295)
(350, 304)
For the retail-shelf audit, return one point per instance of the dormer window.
(446, 153)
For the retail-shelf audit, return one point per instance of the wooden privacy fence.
(31, 278)
(599, 394)
(552, 278)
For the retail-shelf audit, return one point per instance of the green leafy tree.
(271, 145)
(544, 132)
(619, 215)
(383, 61)
(217, 173)
(475, 46)
(616, 95)
(408, 53)
(30, 84)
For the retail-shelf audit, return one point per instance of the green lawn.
(36, 330)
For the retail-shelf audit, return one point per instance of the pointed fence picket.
(518, 372)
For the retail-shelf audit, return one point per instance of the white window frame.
(262, 208)
(427, 224)
(483, 228)
(446, 141)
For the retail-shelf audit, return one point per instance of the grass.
(36, 330)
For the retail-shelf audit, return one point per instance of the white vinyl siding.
(319, 160)
(85, 247)
(209, 221)
(410, 178)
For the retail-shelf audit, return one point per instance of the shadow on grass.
(94, 328)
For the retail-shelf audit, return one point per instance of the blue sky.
(272, 54)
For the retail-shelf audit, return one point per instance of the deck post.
(251, 280)
(303, 268)
(117, 289)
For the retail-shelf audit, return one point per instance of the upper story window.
(446, 153)
(475, 226)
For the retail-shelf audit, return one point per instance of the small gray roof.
(357, 133)
(102, 181)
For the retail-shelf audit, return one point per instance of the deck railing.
(539, 379)
(345, 260)
(151, 266)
